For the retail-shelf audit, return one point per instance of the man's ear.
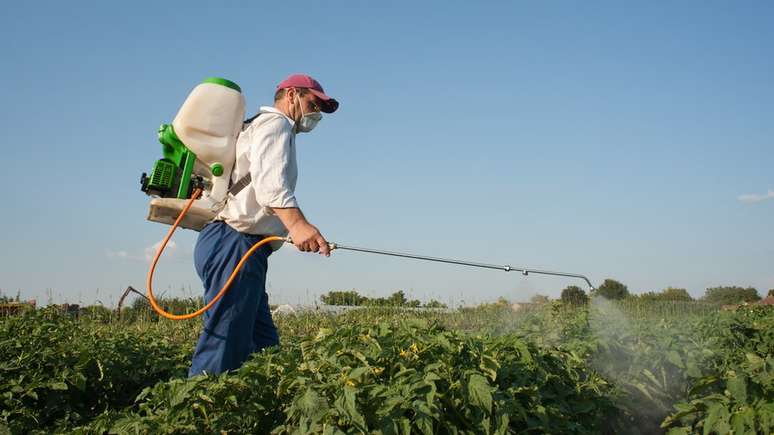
(290, 93)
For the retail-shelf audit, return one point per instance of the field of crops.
(602, 368)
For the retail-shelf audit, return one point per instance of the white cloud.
(170, 249)
(146, 254)
(750, 198)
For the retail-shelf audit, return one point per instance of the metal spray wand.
(524, 271)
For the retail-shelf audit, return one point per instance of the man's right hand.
(307, 238)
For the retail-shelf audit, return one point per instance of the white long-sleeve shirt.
(267, 149)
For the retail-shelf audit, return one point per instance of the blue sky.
(627, 141)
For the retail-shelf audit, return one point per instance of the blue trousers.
(240, 322)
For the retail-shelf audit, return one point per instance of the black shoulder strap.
(248, 121)
(240, 184)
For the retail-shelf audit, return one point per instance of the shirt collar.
(271, 109)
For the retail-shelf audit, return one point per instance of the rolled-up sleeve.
(273, 167)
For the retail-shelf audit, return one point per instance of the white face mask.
(308, 120)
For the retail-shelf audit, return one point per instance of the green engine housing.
(171, 176)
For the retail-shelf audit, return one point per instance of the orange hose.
(222, 291)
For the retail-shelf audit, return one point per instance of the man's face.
(302, 104)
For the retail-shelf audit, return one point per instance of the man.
(240, 323)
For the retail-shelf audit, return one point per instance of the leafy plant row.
(412, 376)
(58, 372)
(558, 368)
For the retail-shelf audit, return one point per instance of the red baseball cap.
(329, 105)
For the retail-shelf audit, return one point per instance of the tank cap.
(223, 82)
(217, 169)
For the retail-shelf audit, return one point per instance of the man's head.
(302, 99)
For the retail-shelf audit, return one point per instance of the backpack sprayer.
(190, 184)
(199, 149)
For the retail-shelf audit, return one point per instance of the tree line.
(397, 299)
(609, 289)
(615, 290)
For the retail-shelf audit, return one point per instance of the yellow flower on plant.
(414, 348)
(402, 353)
(350, 383)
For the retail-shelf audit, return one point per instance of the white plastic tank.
(208, 124)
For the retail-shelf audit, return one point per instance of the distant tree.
(574, 295)
(434, 304)
(379, 302)
(612, 289)
(348, 298)
(731, 295)
(675, 294)
(668, 294)
(539, 299)
(771, 292)
(397, 299)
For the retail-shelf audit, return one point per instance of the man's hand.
(305, 236)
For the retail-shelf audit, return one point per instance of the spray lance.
(190, 184)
